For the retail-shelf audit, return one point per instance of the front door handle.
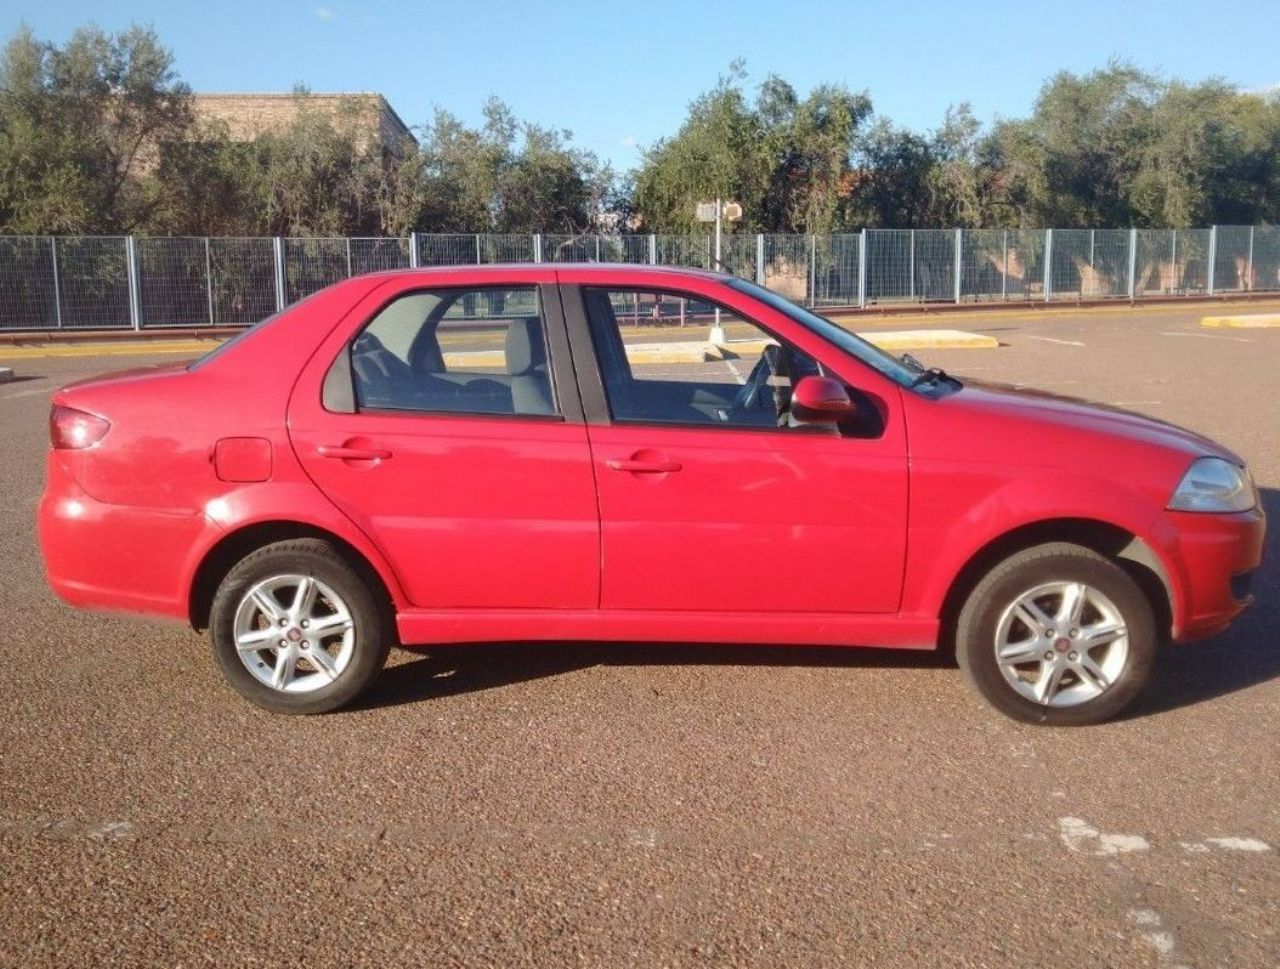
(644, 465)
(344, 453)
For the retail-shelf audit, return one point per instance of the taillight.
(70, 428)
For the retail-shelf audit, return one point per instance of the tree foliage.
(100, 135)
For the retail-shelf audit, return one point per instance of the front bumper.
(1212, 558)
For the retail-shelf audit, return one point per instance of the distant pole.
(478, 259)
(1177, 276)
(413, 250)
(760, 258)
(348, 257)
(537, 247)
(719, 214)
(653, 249)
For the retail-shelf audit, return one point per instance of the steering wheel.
(748, 395)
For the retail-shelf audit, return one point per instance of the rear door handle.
(352, 453)
(643, 467)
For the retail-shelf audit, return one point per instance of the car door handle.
(644, 467)
(345, 453)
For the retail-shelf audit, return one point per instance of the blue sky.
(620, 75)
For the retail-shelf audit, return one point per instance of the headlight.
(1214, 485)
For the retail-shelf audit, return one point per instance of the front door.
(711, 498)
(446, 440)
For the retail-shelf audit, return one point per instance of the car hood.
(1003, 403)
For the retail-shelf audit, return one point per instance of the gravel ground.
(611, 806)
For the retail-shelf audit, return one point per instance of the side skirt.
(422, 627)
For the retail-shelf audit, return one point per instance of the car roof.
(604, 268)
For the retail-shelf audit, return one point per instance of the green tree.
(80, 130)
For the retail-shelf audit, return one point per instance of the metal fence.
(121, 282)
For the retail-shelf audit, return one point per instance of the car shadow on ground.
(1246, 655)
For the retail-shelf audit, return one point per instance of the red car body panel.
(500, 528)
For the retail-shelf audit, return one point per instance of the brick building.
(248, 115)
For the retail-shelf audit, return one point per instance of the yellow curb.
(930, 340)
(476, 358)
(1254, 321)
(106, 349)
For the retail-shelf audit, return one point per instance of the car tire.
(268, 636)
(1057, 634)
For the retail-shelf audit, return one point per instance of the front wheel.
(297, 630)
(1057, 634)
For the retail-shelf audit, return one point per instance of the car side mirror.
(821, 400)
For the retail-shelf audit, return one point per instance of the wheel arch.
(1126, 549)
(231, 548)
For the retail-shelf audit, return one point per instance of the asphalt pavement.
(556, 804)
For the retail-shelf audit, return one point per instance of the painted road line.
(1211, 336)
(1251, 321)
(1065, 343)
(28, 393)
(930, 340)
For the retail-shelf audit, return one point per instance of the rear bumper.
(1214, 557)
(116, 557)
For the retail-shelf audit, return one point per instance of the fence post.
(760, 258)
(413, 250)
(1248, 273)
(597, 238)
(1004, 268)
(911, 264)
(208, 278)
(862, 270)
(131, 266)
(278, 245)
(813, 270)
(1213, 254)
(653, 249)
(958, 263)
(1173, 260)
(477, 248)
(57, 295)
(1048, 264)
(1133, 261)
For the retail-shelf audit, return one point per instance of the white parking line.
(1211, 336)
(27, 393)
(1065, 343)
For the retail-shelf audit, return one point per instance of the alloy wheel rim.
(294, 633)
(1061, 644)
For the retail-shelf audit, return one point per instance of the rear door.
(443, 420)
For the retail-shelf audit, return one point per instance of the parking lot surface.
(642, 805)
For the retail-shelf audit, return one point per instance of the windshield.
(875, 358)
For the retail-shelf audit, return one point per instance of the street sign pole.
(717, 331)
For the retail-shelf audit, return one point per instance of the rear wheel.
(1057, 634)
(297, 630)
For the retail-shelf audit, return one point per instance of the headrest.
(525, 349)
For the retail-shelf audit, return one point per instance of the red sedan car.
(506, 453)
